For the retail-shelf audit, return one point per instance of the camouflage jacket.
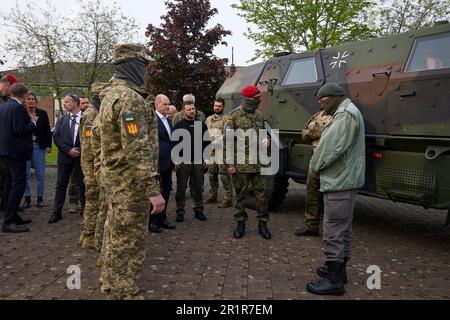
(216, 125)
(239, 119)
(315, 126)
(180, 116)
(87, 152)
(96, 150)
(129, 142)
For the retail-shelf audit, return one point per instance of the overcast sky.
(150, 11)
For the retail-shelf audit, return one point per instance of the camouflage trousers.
(244, 184)
(195, 173)
(314, 202)
(101, 219)
(214, 171)
(74, 193)
(2, 178)
(125, 250)
(91, 209)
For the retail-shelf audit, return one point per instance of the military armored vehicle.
(401, 84)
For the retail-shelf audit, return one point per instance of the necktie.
(73, 124)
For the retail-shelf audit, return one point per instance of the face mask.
(250, 105)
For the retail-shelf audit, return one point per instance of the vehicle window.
(430, 53)
(301, 71)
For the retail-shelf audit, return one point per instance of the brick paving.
(201, 260)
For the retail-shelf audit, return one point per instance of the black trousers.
(166, 188)
(62, 181)
(15, 183)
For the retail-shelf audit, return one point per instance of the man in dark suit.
(165, 129)
(67, 140)
(16, 146)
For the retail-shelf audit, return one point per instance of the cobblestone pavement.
(201, 260)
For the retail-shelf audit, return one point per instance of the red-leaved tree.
(183, 49)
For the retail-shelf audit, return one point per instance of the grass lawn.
(51, 157)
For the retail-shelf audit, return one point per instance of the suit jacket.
(63, 140)
(16, 131)
(165, 146)
(43, 132)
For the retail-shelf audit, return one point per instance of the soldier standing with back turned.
(129, 152)
(314, 198)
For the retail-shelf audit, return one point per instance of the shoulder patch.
(130, 118)
(132, 129)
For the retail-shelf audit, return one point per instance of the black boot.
(55, 217)
(333, 284)
(264, 231)
(27, 203)
(324, 271)
(240, 230)
(40, 202)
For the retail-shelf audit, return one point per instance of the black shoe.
(166, 225)
(305, 232)
(333, 284)
(264, 231)
(154, 228)
(40, 202)
(200, 216)
(324, 271)
(14, 228)
(240, 230)
(55, 218)
(180, 217)
(27, 203)
(21, 222)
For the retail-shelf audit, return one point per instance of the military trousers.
(337, 224)
(195, 172)
(74, 193)
(101, 219)
(314, 202)
(244, 184)
(126, 245)
(216, 170)
(91, 209)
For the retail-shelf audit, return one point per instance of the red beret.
(10, 78)
(251, 92)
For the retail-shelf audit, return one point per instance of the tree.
(96, 29)
(295, 25)
(183, 50)
(37, 36)
(409, 15)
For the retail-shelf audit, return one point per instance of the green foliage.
(296, 25)
(407, 15)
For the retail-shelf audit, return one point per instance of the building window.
(301, 71)
(430, 53)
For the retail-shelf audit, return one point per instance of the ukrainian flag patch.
(130, 118)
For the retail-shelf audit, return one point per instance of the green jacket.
(340, 157)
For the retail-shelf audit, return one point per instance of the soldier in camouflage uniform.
(247, 175)
(216, 125)
(92, 189)
(5, 90)
(129, 171)
(314, 198)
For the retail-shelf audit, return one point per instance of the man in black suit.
(67, 140)
(166, 166)
(16, 146)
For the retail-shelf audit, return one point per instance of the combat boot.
(226, 203)
(264, 231)
(40, 202)
(27, 203)
(88, 242)
(212, 198)
(240, 230)
(99, 262)
(73, 208)
(324, 271)
(331, 285)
